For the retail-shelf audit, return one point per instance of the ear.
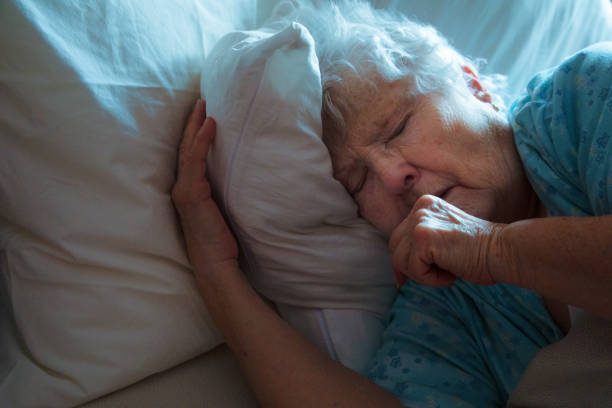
(474, 84)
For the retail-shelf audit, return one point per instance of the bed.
(97, 299)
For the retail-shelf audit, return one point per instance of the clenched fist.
(437, 242)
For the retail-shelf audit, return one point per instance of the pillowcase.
(96, 291)
(302, 242)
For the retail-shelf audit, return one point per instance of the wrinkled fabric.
(96, 291)
(562, 126)
(463, 346)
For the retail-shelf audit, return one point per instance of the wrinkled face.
(399, 147)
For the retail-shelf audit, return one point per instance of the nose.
(396, 175)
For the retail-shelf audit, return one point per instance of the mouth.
(444, 193)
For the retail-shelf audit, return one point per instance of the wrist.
(208, 271)
(501, 257)
(214, 279)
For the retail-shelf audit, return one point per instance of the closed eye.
(398, 130)
(354, 191)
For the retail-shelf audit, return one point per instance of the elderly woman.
(498, 220)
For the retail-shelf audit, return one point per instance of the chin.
(382, 222)
(478, 203)
(387, 228)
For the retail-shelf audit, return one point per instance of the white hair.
(355, 40)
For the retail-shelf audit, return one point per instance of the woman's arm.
(568, 259)
(283, 369)
(565, 258)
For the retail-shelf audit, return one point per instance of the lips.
(443, 193)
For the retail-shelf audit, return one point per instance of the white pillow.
(303, 244)
(95, 289)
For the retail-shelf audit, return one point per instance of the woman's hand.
(208, 239)
(437, 242)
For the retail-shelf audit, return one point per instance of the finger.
(422, 268)
(401, 231)
(395, 238)
(194, 166)
(400, 259)
(194, 123)
(410, 221)
(399, 245)
(400, 278)
(439, 277)
(204, 138)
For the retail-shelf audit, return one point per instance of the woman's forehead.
(361, 94)
(375, 108)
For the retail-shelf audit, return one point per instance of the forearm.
(283, 369)
(565, 258)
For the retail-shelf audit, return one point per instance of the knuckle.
(425, 201)
(421, 233)
(183, 153)
(421, 213)
(180, 196)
